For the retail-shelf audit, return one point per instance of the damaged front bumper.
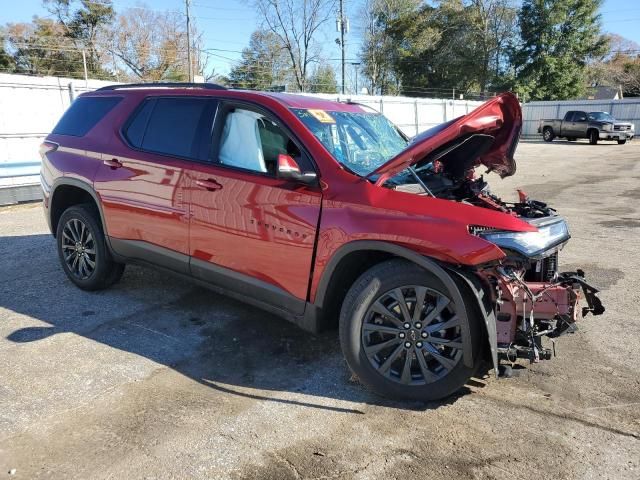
(528, 311)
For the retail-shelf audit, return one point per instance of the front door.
(250, 231)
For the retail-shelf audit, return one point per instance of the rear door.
(252, 232)
(143, 179)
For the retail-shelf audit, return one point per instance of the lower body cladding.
(528, 309)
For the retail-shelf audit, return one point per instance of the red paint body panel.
(262, 226)
(256, 225)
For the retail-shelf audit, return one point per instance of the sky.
(227, 24)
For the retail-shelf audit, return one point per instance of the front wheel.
(402, 333)
(621, 142)
(593, 137)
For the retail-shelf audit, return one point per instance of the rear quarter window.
(83, 114)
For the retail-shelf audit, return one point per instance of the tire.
(547, 134)
(360, 322)
(82, 249)
(621, 142)
(593, 137)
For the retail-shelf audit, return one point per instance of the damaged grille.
(543, 270)
(478, 229)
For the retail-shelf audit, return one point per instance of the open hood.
(488, 136)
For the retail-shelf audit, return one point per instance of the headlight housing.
(607, 127)
(550, 235)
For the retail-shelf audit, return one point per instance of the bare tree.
(618, 67)
(494, 23)
(296, 23)
(149, 44)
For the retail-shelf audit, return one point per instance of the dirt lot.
(156, 378)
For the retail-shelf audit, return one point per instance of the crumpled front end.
(532, 298)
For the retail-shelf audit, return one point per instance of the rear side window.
(83, 114)
(172, 126)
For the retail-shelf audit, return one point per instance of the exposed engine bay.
(531, 298)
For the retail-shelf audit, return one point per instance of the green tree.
(7, 64)
(453, 44)
(323, 80)
(263, 65)
(84, 22)
(558, 39)
(379, 47)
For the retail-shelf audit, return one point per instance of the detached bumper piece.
(594, 305)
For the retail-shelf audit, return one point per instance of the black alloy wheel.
(83, 251)
(403, 334)
(78, 248)
(411, 335)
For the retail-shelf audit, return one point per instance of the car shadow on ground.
(219, 342)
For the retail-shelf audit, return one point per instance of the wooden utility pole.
(190, 66)
(84, 67)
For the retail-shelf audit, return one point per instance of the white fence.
(30, 108)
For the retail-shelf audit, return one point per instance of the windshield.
(601, 117)
(361, 142)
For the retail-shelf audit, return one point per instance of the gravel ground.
(156, 378)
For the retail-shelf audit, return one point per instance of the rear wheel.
(622, 142)
(593, 137)
(82, 249)
(401, 333)
(547, 134)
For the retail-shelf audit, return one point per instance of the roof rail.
(208, 86)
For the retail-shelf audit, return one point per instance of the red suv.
(324, 213)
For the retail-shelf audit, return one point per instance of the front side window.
(251, 141)
(361, 142)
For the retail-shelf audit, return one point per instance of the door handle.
(113, 163)
(209, 184)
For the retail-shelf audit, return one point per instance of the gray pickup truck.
(592, 125)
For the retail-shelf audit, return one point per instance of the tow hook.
(594, 305)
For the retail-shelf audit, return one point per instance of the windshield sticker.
(322, 116)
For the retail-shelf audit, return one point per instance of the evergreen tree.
(264, 63)
(559, 37)
(323, 80)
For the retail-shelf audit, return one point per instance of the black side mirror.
(288, 169)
